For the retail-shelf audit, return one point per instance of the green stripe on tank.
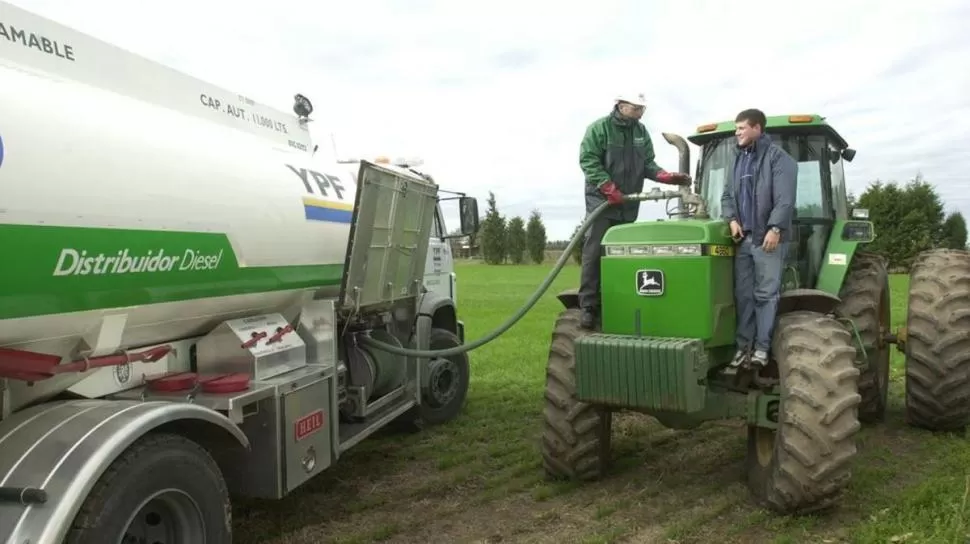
(50, 270)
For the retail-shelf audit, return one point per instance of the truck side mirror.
(468, 210)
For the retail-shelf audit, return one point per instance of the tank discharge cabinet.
(186, 320)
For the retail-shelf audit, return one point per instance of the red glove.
(613, 195)
(673, 179)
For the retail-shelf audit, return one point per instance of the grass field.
(479, 478)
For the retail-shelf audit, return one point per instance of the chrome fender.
(64, 447)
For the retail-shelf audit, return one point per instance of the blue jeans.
(757, 284)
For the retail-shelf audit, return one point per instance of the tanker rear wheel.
(165, 489)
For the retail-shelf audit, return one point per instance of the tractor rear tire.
(576, 436)
(865, 300)
(938, 341)
(803, 466)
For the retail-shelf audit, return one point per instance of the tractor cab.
(821, 199)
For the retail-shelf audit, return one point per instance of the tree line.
(908, 218)
(502, 240)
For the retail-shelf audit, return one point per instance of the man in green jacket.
(616, 155)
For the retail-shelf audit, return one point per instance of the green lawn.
(479, 479)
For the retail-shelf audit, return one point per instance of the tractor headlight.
(661, 250)
(614, 251)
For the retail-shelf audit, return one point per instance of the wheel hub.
(442, 382)
(167, 517)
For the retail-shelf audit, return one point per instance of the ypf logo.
(1, 150)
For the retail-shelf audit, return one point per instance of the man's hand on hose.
(675, 178)
(613, 195)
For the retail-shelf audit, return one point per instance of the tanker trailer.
(187, 297)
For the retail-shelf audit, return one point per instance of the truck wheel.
(865, 300)
(803, 465)
(938, 341)
(446, 379)
(164, 489)
(576, 436)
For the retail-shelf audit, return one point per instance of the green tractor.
(666, 341)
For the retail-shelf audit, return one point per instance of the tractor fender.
(814, 300)
(569, 298)
(64, 447)
(442, 312)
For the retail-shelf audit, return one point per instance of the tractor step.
(642, 373)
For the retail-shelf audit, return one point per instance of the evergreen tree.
(535, 237)
(516, 241)
(491, 235)
(955, 231)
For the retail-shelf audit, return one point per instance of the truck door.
(440, 265)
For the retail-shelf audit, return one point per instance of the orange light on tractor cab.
(707, 128)
(382, 160)
(799, 118)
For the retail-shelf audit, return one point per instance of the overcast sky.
(496, 95)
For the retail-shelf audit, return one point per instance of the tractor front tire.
(938, 341)
(576, 436)
(865, 301)
(803, 466)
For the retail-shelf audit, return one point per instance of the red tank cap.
(225, 383)
(172, 382)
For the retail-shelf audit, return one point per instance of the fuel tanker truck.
(187, 294)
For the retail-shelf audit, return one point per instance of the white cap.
(637, 99)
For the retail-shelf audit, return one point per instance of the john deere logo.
(650, 283)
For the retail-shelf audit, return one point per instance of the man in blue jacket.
(758, 203)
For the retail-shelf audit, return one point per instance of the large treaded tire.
(576, 436)
(938, 341)
(804, 465)
(155, 463)
(865, 300)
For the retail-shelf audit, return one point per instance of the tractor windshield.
(816, 177)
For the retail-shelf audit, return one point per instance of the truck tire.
(803, 466)
(576, 436)
(865, 300)
(447, 386)
(164, 489)
(938, 341)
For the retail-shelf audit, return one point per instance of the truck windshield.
(812, 199)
